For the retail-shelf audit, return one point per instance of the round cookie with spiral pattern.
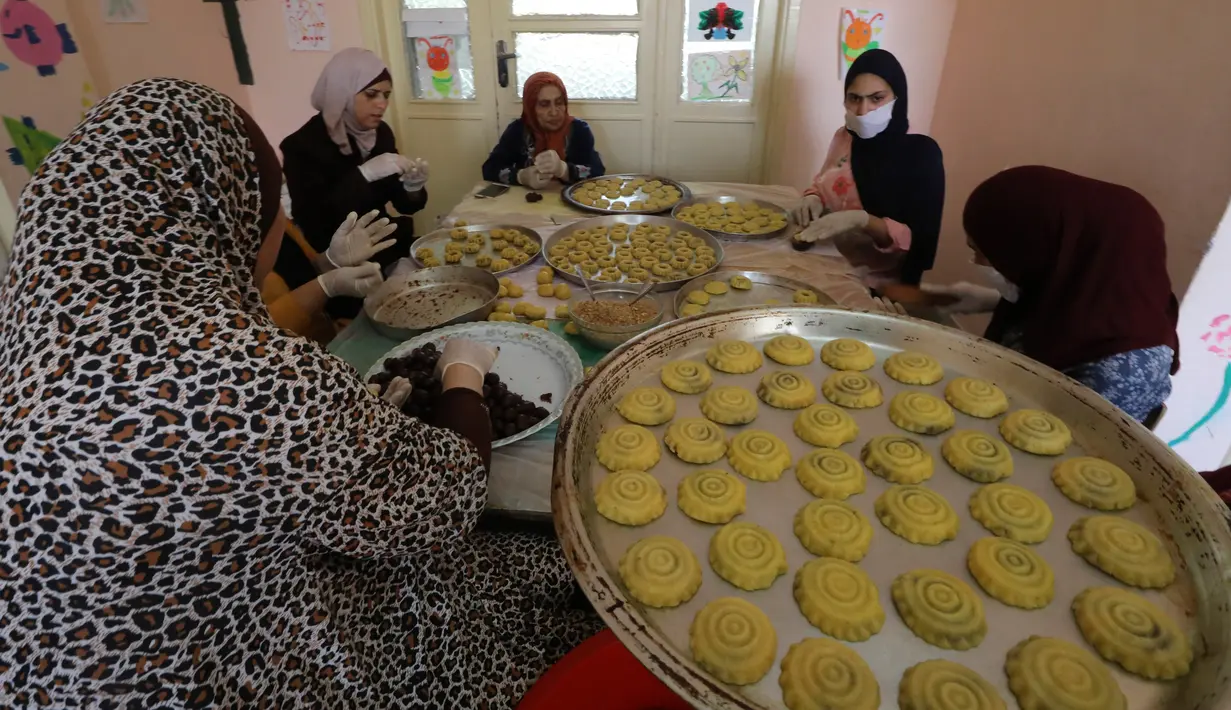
(977, 456)
(711, 496)
(786, 390)
(630, 498)
(1094, 483)
(847, 354)
(838, 598)
(733, 356)
(944, 685)
(696, 440)
(648, 406)
(660, 571)
(897, 459)
(734, 640)
(628, 447)
(921, 413)
(940, 609)
(977, 398)
(823, 668)
(729, 405)
(747, 555)
(1047, 673)
(1123, 549)
(830, 473)
(1037, 432)
(853, 390)
(1127, 629)
(789, 350)
(914, 368)
(686, 377)
(759, 455)
(917, 514)
(825, 425)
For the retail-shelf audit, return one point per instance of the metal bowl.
(568, 193)
(732, 236)
(431, 298)
(609, 337)
(436, 241)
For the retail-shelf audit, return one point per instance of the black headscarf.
(899, 175)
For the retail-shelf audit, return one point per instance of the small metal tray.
(732, 236)
(764, 287)
(632, 220)
(568, 194)
(435, 297)
(436, 242)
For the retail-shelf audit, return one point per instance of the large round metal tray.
(764, 287)
(1171, 499)
(632, 220)
(443, 295)
(567, 195)
(436, 242)
(732, 236)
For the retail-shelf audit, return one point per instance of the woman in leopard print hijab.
(202, 510)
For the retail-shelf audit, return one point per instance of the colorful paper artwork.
(714, 76)
(440, 59)
(307, 28)
(33, 37)
(125, 11)
(861, 30)
(720, 21)
(1216, 340)
(30, 144)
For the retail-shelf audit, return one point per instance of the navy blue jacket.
(516, 151)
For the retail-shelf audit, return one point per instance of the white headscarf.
(347, 73)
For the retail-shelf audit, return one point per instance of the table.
(520, 479)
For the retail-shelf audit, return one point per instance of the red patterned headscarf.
(544, 140)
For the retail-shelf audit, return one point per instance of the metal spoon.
(586, 282)
(644, 290)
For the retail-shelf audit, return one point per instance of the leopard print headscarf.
(177, 476)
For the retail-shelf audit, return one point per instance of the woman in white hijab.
(344, 160)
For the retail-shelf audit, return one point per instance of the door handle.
(502, 63)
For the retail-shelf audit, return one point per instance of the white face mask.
(872, 123)
(1008, 290)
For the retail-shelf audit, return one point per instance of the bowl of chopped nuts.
(612, 318)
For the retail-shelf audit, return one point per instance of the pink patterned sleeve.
(900, 234)
(837, 148)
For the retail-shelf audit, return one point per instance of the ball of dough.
(571, 328)
(789, 350)
(941, 685)
(786, 390)
(847, 354)
(853, 390)
(831, 528)
(660, 571)
(1011, 573)
(804, 295)
(977, 456)
(734, 640)
(562, 311)
(940, 609)
(747, 555)
(540, 323)
(830, 473)
(758, 455)
(733, 356)
(742, 283)
(630, 498)
(1094, 483)
(534, 312)
(1127, 629)
(838, 598)
(1123, 549)
(545, 290)
(897, 459)
(1050, 673)
(822, 674)
(1036, 432)
(649, 406)
(628, 447)
(711, 496)
(1011, 511)
(917, 514)
(543, 277)
(914, 368)
(921, 413)
(695, 440)
(729, 405)
(516, 291)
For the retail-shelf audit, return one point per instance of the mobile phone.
(492, 190)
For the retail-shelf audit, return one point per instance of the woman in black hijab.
(881, 191)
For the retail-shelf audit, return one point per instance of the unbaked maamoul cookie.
(1036, 432)
(747, 555)
(853, 390)
(838, 598)
(1127, 629)
(733, 356)
(649, 406)
(917, 514)
(630, 498)
(921, 413)
(696, 440)
(1094, 483)
(660, 571)
(729, 405)
(940, 609)
(977, 398)
(944, 685)
(897, 459)
(830, 473)
(786, 390)
(977, 456)
(825, 425)
(821, 674)
(628, 447)
(1046, 673)
(1124, 550)
(1011, 511)
(686, 377)
(711, 496)
(831, 528)
(847, 354)
(733, 639)
(758, 455)
(914, 368)
(1011, 572)
(789, 350)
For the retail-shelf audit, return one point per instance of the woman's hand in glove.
(549, 163)
(357, 281)
(415, 176)
(358, 239)
(807, 210)
(384, 165)
(532, 178)
(962, 297)
(832, 225)
(396, 393)
(475, 359)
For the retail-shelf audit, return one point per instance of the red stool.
(600, 674)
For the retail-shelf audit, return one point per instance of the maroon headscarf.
(1090, 261)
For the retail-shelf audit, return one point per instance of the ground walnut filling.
(614, 313)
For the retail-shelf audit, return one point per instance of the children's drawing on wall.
(307, 28)
(861, 30)
(714, 76)
(730, 20)
(436, 52)
(33, 37)
(1216, 340)
(125, 11)
(443, 68)
(30, 144)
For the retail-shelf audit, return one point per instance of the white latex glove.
(807, 210)
(833, 224)
(357, 281)
(532, 178)
(549, 163)
(460, 351)
(358, 239)
(384, 165)
(884, 305)
(970, 298)
(396, 393)
(415, 176)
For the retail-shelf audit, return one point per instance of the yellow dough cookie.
(759, 455)
(940, 609)
(825, 425)
(747, 555)
(838, 598)
(821, 674)
(786, 390)
(831, 528)
(1123, 549)
(847, 354)
(1047, 673)
(944, 685)
(733, 356)
(789, 350)
(716, 288)
(649, 406)
(917, 514)
(628, 447)
(978, 398)
(897, 459)
(741, 283)
(729, 405)
(686, 376)
(1094, 483)
(1036, 432)
(804, 295)
(914, 368)
(696, 440)
(734, 640)
(1011, 572)
(1127, 629)
(830, 473)
(630, 498)
(1011, 511)
(853, 390)
(921, 413)
(711, 496)
(699, 298)
(660, 571)
(977, 456)
(691, 309)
